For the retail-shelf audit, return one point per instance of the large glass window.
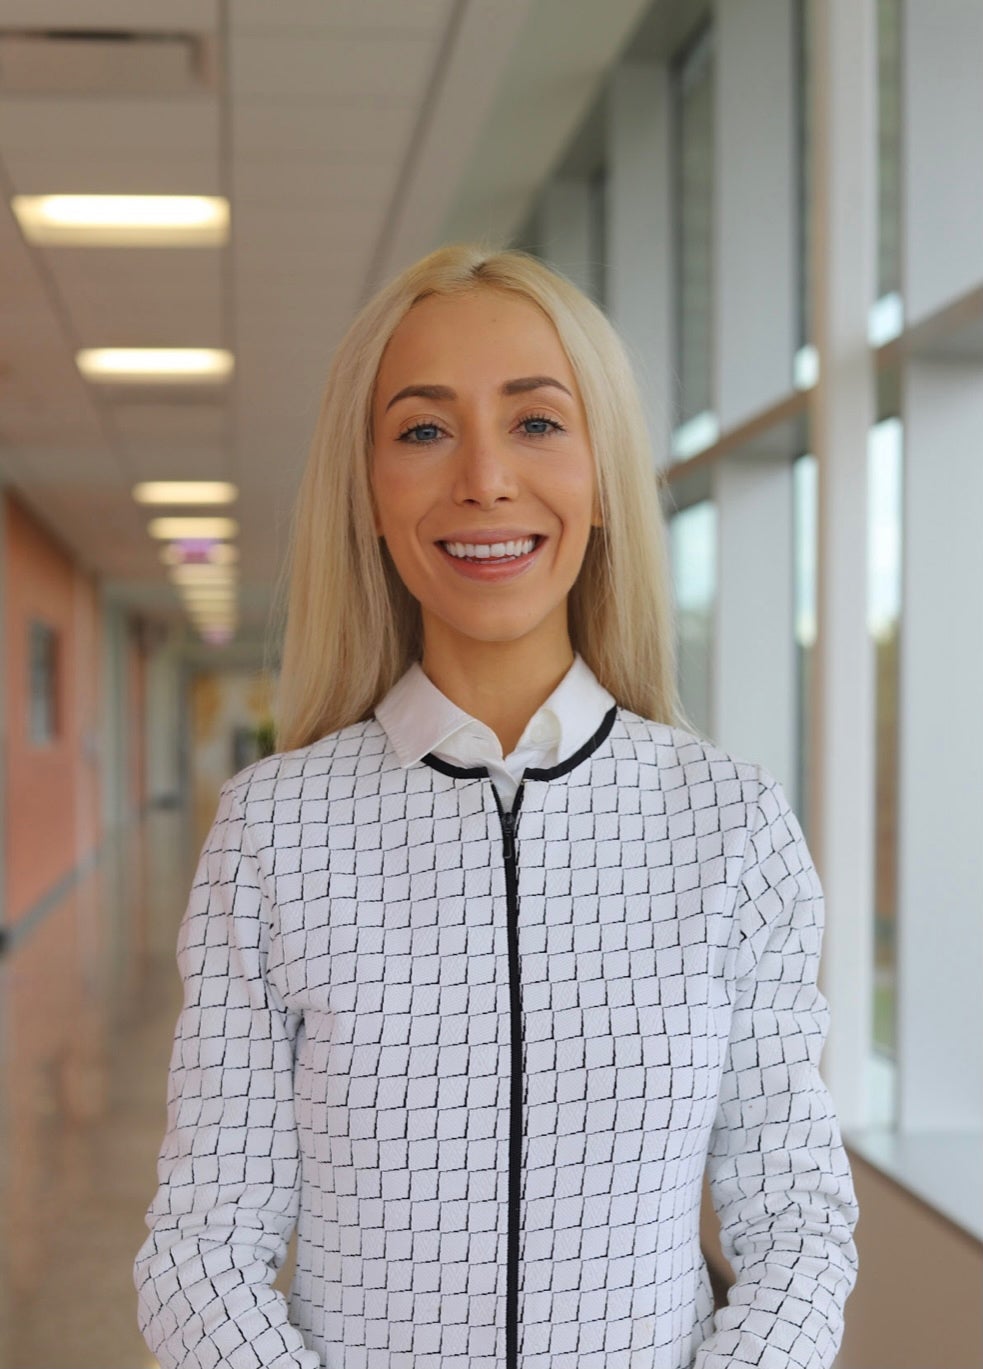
(805, 474)
(693, 174)
(693, 556)
(804, 169)
(888, 147)
(883, 620)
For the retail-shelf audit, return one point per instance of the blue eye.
(418, 427)
(552, 425)
(408, 437)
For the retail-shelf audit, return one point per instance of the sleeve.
(779, 1176)
(229, 1169)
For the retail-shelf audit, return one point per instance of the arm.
(229, 1168)
(779, 1176)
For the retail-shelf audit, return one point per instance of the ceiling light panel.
(140, 365)
(185, 492)
(174, 529)
(123, 220)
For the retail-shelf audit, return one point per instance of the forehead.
(492, 329)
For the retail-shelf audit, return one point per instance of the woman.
(497, 956)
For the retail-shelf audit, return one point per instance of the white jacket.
(480, 1059)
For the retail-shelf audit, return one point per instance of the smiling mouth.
(493, 553)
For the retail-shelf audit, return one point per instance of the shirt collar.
(418, 717)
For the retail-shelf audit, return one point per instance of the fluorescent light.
(123, 220)
(213, 594)
(203, 574)
(137, 365)
(173, 529)
(185, 492)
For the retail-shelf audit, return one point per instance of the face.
(480, 446)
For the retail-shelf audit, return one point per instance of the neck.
(500, 683)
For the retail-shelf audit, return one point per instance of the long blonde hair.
(352, 627)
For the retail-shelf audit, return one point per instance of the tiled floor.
(89, 1000)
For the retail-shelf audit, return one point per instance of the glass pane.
(888, 147)
(804, 168)
(884, 473)
(693, 555)
(693, 112)
(805, 474)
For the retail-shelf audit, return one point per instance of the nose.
(485, 469)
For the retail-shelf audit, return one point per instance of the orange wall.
(52, 792)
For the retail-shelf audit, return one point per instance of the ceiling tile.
(420, 16)
(304, 181)
(146, 127)
(309, 67)
(36, 173)
(366, 125)
(155, 16)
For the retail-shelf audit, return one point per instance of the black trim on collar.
(460, 772)
(581, 754)
(548, 773)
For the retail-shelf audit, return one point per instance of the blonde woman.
(498, 955)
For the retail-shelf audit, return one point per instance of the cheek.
(392, 494)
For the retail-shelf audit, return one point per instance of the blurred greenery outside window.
(693, 558)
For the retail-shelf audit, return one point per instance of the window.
(883, 617)
(693, 173)
(888, 147)
(693, 557)
(805, 474)
(42, 682)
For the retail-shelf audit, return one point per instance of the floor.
(89, 997)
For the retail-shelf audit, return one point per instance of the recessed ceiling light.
(185, 492)
(123, 220)
(173, 529)
(208, 594)
(138, 365)
(203, 571)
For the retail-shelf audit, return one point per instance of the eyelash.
(529, 418)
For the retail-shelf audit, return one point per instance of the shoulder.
(351, 751)
(686, 759)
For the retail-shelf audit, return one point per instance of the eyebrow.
(510, 387)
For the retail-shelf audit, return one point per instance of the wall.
(51, 790)
(136, 709)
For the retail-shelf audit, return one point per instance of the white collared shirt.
(420, 719)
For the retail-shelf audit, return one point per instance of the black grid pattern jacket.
(480, 1060)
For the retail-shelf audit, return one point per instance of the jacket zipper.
(509, 825)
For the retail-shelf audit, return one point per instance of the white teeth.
(484, 551)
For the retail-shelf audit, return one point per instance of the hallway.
(90, 998)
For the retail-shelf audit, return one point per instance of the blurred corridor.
(779, 205)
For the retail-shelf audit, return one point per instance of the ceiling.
(350, 137)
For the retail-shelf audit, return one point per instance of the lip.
(492, 574)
